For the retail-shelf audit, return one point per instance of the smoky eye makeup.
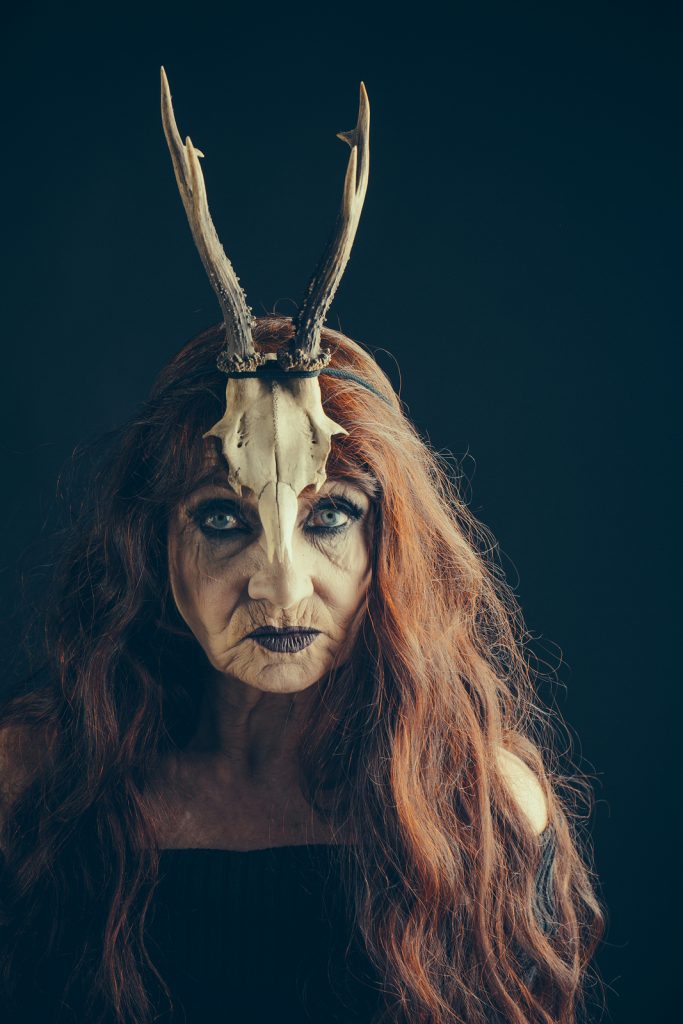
(219, 518)
(332, 515)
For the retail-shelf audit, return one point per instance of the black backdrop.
(523, 217)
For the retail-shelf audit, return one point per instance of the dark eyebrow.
(216, 477)
(364, 481)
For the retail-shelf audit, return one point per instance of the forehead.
(217, 476)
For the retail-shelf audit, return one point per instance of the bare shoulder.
(524, 787)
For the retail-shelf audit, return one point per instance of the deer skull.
(276, 438)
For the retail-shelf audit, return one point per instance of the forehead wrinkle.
(218, 477)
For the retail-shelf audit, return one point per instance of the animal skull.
(276, 438)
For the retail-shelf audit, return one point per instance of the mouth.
(283, 640)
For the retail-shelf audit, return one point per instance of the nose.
(282, 583)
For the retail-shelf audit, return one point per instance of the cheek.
(204, 590)
(345, 576)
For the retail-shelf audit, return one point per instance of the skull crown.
(275, 435)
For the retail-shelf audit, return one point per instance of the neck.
(250, 735)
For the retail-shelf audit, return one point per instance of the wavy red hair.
(401, 752)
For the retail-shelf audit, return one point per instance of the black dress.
(269, 927)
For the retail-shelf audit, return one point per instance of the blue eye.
(217, 519)
(222, 521)
(333, 517)
(328, 517)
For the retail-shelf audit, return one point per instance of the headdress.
(275, 435)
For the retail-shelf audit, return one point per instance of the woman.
(286, 757)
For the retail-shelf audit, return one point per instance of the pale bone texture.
(274, 433)
(276, 438)
(323, 285)
(237, 315)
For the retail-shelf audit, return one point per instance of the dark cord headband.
(272, 369)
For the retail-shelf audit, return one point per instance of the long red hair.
(401, 749)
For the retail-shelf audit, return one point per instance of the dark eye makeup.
(221, 518)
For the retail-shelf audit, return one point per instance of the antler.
(240, 351)
(303, 351)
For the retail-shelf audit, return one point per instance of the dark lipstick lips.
(285, 639)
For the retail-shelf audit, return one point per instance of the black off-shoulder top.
(263, 935)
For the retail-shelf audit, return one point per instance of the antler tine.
(304, 348)
(237, 315)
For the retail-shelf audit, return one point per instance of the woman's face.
(306, 613)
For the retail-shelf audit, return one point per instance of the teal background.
(522, 223)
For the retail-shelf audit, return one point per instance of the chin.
(282, 678)
(279, 673)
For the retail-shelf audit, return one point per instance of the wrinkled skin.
(224, 585)
(236, 784)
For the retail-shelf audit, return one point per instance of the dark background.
(523, 220)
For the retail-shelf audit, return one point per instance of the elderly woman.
(286, 759)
